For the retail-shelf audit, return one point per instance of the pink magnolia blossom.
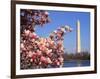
(27, 32)
(49, 60)
(38, 53)
(48, 51)
(22, 46)
(61, 59)
(33, 35)
(43, 59)
(46, 13)
(30, 54)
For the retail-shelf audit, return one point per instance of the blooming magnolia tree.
(39, 52)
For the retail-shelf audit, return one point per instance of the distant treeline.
(77, 56)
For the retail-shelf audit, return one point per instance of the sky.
(60, 18)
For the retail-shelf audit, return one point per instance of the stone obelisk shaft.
(78, 50)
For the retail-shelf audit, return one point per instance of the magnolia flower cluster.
(35, 17)
(38, 52)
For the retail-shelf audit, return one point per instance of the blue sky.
(59, 18)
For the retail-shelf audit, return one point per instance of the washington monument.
(78, 37)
